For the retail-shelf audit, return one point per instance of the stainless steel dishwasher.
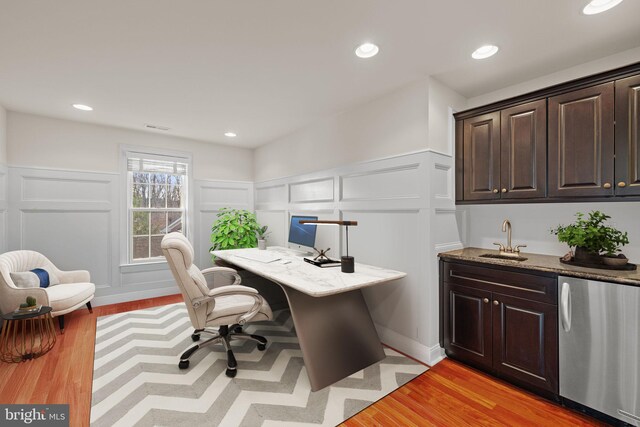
(600, 346)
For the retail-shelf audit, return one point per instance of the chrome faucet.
(508, 250)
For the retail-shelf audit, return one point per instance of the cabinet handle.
(606, 185)
(504, 190)
(496, 302)
(486, 300)
(495, 191)
(622, 184)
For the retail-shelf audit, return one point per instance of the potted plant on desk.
(594, 242)
(262, 237)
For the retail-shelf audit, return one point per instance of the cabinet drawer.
(493, 279)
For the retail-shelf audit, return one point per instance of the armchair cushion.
(36, 278)
(67, 297)
(229, 308)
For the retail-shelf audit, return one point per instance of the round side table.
(26, 336)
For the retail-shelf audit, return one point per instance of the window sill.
(143, 266)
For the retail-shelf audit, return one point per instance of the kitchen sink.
(505, 257)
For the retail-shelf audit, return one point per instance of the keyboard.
(260, 256)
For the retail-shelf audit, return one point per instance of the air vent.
(157, 127)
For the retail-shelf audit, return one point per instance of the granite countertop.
(546, 263)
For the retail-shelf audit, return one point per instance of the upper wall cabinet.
(581, 147)
(628, 137)
(505, 153)
(576, 141)
(482, 157)
(523, 143)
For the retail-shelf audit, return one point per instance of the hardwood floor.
(449, 394)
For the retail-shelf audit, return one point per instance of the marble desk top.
(308, 278)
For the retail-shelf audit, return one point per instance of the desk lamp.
(347, 263)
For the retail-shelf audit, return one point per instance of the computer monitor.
(302, 236)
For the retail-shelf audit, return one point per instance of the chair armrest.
(230, 291)
(221, 276)
(76, 276)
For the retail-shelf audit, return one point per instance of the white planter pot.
(262, 245)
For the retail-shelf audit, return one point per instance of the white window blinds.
(153, 165)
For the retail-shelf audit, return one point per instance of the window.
(156, 202)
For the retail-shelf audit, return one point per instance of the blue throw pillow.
(43, 276)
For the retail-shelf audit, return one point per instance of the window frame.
(126, 188)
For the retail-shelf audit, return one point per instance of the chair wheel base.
(262, 347)
(231, 373)
(238, 329)
(195, 337)
(183, 364)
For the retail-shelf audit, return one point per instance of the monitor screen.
(302, 234)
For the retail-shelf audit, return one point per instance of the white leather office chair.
(74, 290)
(228, 305)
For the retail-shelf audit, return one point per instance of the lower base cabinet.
(502, 322)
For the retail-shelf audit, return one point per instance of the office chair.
(227, 306)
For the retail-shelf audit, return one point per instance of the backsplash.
(532, 222)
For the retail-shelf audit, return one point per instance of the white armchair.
(228, 305)
(74, 290)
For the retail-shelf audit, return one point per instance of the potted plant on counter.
(594, 242)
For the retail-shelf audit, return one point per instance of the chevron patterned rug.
(136, 380)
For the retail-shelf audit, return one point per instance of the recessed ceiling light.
(230, 134)
(598, 6)
(484, 51)
(82, 107)
(367, 50)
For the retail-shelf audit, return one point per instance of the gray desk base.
(337, 336)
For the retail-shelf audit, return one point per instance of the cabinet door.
(628, 137)
(467, 325)
(581, 145)
(525, 342)
(482, 157)
(523, 147)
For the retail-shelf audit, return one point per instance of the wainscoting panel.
(277, 221)
(271, 194)
(72, 240)
(401, 182)
(317, 190)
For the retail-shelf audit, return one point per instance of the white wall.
(398, 203)
(604, 64)
(3, 136)
(36, 141)
(531, 224)
(392, 124)
(4, 182)
(443, 102)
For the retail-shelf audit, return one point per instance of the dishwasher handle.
(565, 306)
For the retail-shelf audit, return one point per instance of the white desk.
(337, 336)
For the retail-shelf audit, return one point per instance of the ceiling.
(266, 68)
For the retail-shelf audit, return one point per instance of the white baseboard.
(133, 296)
(419, 351)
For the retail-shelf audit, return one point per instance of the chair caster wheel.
(184, 364)
(262, 347)
(231, 372)
(195, 337)
(238, 329)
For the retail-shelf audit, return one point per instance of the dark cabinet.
(503, 322)
(504, 154)
(481, 157)
(523, 147)
(525, 341)
(627, 170)
(468, 332)
(581, 142)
